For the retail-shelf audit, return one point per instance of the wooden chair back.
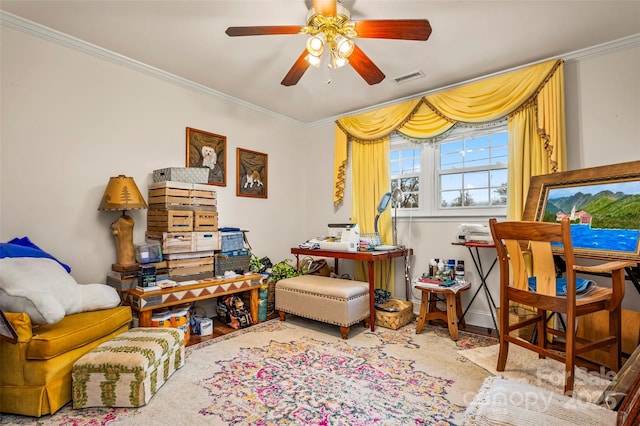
(525, 250)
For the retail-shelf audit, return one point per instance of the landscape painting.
(604, 208)
(603, 217)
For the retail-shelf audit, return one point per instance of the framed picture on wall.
(252, 179)
(209, 150)
(602, 203)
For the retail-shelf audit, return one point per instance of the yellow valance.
(483, 101)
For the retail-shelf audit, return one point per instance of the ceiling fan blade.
(297, 70)
(365, 67)
(325, 7)
(399, 29)
(268, 30)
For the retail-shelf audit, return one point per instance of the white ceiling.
(470, 39)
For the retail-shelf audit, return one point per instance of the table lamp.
(122, 194)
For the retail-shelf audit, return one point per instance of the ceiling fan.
(331, 32)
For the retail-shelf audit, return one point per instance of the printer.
(474, 233)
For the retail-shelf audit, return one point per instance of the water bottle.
(433, 267)
(460, 272)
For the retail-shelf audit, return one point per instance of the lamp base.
(122, 230)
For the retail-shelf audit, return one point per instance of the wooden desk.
(144, 302)
(365, 256)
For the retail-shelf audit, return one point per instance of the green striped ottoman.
(129, 369)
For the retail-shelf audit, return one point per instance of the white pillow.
(42, 308)
(32, 284)
(98, 296)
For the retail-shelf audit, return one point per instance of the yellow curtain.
(339, 166)
(371, 179)
(532, 98)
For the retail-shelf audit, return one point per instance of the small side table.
(429, 311)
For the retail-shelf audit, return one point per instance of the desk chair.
(525, 257)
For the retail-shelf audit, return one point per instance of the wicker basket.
(395, 320)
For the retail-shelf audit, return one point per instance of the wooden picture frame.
(209, 150)
(602, 202)
(252, 178)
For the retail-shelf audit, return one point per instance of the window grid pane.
(480, 174)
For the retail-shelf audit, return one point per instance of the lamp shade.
(122, 193)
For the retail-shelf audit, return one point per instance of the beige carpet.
(301, 372)
(525, 366)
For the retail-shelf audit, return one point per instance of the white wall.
(70, 121)
(603, 109)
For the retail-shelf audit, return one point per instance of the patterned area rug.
(301, 372)
(525, 366)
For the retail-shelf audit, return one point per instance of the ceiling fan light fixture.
(343, 45)
(315, 45)
(314, 60)
(336, 61)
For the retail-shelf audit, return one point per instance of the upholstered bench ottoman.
(127, 370)
(331, 300)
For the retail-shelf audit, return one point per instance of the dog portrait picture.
(208, 150)
(252, 175)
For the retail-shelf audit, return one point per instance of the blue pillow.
(23, 247)
(582, 285)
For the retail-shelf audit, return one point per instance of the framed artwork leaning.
(252, 174)
(602, 203)
(209, 150)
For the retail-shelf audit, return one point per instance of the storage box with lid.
(182, 174)
(231, 261)
(231, 241)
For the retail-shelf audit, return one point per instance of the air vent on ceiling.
(408, 77)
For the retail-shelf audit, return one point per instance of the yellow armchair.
(35, 372)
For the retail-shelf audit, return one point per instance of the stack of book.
(126, 277)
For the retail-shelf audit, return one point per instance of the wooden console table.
(145, 302)
(366, 256)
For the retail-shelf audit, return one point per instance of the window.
(405, 169)
(464, 174)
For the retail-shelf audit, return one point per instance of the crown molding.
(17, 23)
(29, 27)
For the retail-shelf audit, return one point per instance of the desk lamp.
(122, 194)
(382, 206)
